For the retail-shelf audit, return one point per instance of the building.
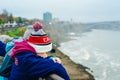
(47, 16)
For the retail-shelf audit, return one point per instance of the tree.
(1, 22)
(5, 15)
(20, 20)
(10, 18)
(3, 18)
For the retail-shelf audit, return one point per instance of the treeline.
(7, 17)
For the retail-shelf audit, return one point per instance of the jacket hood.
(22, 46)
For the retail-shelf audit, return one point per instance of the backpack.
(6, 66)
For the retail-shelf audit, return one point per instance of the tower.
(47, 16)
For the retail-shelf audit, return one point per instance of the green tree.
(20, 20)
(1, 22)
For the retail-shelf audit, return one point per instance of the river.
(99, 50)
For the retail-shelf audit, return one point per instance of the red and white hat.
(40, 41)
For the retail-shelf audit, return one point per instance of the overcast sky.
(77, 10)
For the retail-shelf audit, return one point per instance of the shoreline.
(75, 71)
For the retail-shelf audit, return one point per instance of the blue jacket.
(2, 49)
(28, 66)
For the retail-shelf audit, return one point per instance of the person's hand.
(56, 59)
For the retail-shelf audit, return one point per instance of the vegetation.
(17, 32)
(6, 17)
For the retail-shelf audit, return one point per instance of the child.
(30, 60)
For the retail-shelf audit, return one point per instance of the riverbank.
(75, 71)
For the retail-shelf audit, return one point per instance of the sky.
(66, 10)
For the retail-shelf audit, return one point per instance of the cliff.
(75, 71)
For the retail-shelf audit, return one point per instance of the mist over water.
(99, 50)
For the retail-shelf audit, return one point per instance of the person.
(33, 28)
(4, 49)
(31, 61)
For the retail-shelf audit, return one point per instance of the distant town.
(9, 20)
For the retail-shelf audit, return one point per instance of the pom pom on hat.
(37, 26)
(33, 28)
